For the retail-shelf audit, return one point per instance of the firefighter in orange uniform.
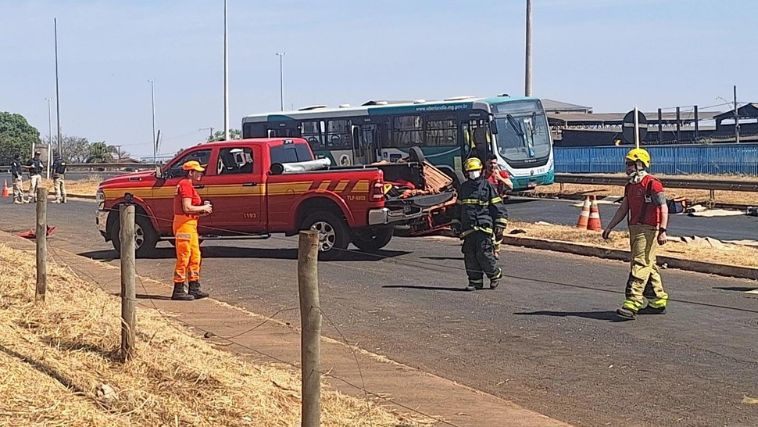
(187, 209)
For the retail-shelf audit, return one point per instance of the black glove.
(499, 232)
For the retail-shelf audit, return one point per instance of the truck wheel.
(333, 234)
(416, 155)
(145, 237)
(374, 238)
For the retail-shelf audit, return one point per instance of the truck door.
(234, 186)
(164, 190)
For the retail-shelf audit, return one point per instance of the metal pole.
(736, 118)
(636, 128)
(281, 80)
(660, 126)
(128, 296)
(57, 91)
(678, 125)
(697, 125)
(152, 104)
(528, 61)
(41, 241)
(49, 137)
(226, 80)
(310, 315)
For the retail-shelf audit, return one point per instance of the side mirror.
(493, 126)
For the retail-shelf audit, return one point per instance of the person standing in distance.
(188, 207)
(647, 214)
(59, 183)
(18, 181)
(483, 220)
(35, 167)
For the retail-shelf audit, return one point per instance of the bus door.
(477, 139)
(364, 144)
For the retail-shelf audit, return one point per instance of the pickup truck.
(257, 188)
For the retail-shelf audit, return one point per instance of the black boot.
(194, 290)
(180, 294)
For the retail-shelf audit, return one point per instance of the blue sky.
(609, 54)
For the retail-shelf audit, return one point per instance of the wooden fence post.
(310, 319)
(128, 294)
(41, 242)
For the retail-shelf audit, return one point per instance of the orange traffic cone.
(6, 190)
(584, 216)
(594, 223)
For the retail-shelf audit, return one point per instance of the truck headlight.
(100, 198)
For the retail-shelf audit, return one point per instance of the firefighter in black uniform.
(483, 219)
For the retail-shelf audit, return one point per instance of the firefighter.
(187, 209)
(35, 167)
(502, 183)
(18, 181)
(647, 214)
(59, 183)
(483, 219)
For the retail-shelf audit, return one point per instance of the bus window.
(254, 130)
(441, 132)
(311, 132)
(338, 135)
(407, 131)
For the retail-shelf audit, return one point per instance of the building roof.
(552, 105)
(616, 119)
(747, 110)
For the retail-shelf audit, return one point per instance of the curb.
(618, 254)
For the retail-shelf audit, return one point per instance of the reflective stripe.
(659, 303)
(496, 200)
(473, 202)
(632, 305)
(485, 230)
(502, 221)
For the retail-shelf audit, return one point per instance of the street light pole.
(57, 91)
(152, 104)
(226, 80)
(528, 59)
(281, 80)
(49, 136)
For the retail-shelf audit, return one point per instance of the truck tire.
(334, 235)
(415, 154)
(457, 176)
(373, 238)
(145, 236)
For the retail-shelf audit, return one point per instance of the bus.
(514, 129)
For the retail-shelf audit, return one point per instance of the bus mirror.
(493, 127)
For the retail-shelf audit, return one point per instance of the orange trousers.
(187, 250)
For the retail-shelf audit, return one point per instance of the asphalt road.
(741, 227)
(546, 339)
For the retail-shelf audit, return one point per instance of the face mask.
(474, 174)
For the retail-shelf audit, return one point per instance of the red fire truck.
(264, 186)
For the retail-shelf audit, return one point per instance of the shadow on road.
(241, 252)
(443, 258)
(425, 288)
(737, 288)
(154, 297)
(610, 316)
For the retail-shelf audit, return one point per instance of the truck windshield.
(290, 153)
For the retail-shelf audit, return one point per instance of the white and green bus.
(448, 132)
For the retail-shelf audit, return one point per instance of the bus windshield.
(523, 132)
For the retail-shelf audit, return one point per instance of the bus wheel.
(374, 238)
(333, 234)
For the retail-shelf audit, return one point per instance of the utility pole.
(57, 91)
(528, 62)
(736, 118)
(49, 136)
(210, 135)
(152, 103)
(281, 80)
(226, 80)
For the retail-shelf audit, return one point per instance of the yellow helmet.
(473, 164)
(639, 154)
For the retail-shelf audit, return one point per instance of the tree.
(100, 152)
(16, 136)
(219, 135)
(75, 149)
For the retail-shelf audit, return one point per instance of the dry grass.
(54, 359)
(745, 256)
(697, 196)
